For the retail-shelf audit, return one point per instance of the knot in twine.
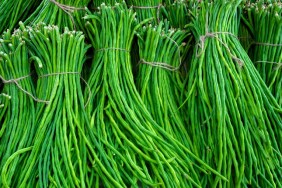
(15, 81)
(201, 45)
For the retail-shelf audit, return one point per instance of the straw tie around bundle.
(147, 7)
(279, 64)
(75, 73)
(201, 44)
(158, 7)
(267, 44)
(164, 65)
(67, 9)
(15, 81)
(160, 65)
(112, 48)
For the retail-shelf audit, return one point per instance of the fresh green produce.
(246, 39)
(170, 93)
(235, 122)
(63, 13)
(266, 25)
(147, 9)
(159, 80)
(13, 11)
(177, 13)
(97, 3)
(17, 108)
(4, 101)
(59, 156)
(139, 151)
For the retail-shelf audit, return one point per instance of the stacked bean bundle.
(138, 151)
(58, 157)
(13, 11)
(159, 80)
(153, 112)
(176, 13)
(147, 9)
(266, 23)
(235, 121)
(17, 115)
(63, 13)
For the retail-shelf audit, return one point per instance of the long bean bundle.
(58, 157)
(235, 121)
(12, 11)
(159, 80)
(17, 115)
(266, 23)
(139, 152)
(63, 13)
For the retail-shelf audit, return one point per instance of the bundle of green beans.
(266, 23)
(17, 115)
(235, 122)
(177, 13)
(59, 156)
(12, 11)
(147, 9)
(159, 78)
(138, 151)
(63, 13)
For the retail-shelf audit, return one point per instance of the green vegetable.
(17, 112)
(147, 9)
(235, 121)
(97, 3)
(160, 81)
(246, 39)
(59, 156)
(63, 13)
(138, 151)
(266, 23)
(13, 11)
(177, 13)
